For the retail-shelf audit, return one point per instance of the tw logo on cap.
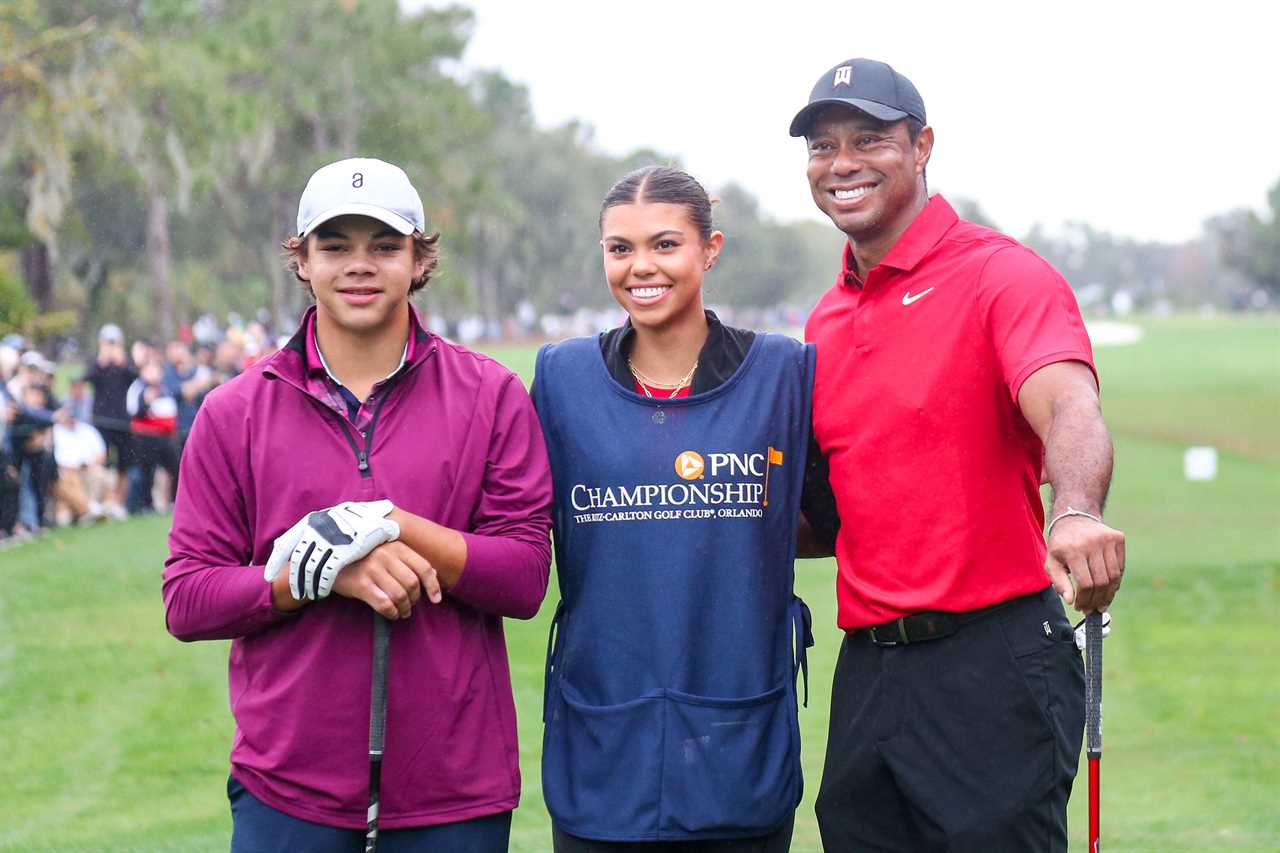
(844, 74)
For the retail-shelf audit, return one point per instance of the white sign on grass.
(1200, 463)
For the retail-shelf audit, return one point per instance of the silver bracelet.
(1070, 511)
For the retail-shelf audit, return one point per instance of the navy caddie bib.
(670, 708)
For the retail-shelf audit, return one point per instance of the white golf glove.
(325, 542)
(1106, 629)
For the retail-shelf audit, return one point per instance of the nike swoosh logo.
(907, 298)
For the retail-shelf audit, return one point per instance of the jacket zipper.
(362, 453)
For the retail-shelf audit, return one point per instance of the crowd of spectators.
(101, 441)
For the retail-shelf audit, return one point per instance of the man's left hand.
(1085, 562)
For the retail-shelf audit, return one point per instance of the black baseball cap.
(864, 84)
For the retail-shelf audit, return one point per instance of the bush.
(17, 310)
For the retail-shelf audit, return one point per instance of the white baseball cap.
(365, 187)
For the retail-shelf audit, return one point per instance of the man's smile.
(849, 194)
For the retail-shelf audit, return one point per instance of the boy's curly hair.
(424, 248)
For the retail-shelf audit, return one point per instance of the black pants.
(119, 448)
(42, 473)
(966, 743)
(10, 486)
(778, 841)
(149, 453)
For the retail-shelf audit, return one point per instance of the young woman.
(677, 449)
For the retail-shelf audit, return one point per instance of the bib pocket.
(729, 765)
(602, 765)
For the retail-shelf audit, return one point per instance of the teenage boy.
(952, 361)
(388, 470)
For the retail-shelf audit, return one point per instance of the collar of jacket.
(723, 351)
(290, 363)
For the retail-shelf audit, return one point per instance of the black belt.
(924, 626)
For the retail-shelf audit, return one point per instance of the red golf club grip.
(1095, 801)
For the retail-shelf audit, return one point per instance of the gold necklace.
(646, 383)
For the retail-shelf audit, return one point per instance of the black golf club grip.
(378, 693)
(1093, 684)
(377, 723)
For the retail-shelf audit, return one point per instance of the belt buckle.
(902, 634)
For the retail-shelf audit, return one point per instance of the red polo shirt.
(935, 471)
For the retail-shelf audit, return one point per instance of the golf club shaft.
(1093, 723)
(377, 724)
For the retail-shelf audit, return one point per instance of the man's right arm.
(211, 592)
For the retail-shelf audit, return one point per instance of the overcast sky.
(1143, 118)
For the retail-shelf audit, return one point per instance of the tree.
(316, 81)
(763, 263)
(166, 142)
(55, 82)
(1250, 244)
(968, 208)
(1100, 264)
(159, 130)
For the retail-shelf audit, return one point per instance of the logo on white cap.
(844, 74)
(361, 186)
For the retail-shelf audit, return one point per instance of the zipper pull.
(363, 459)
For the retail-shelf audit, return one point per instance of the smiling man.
(953, 368)
(368, 466)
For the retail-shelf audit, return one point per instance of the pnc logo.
(689, 465)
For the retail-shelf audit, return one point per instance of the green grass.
(1199, 380)
(116, 736)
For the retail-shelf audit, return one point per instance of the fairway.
(116, 735)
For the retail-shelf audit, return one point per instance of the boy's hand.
(325, 542)
(391, 579)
